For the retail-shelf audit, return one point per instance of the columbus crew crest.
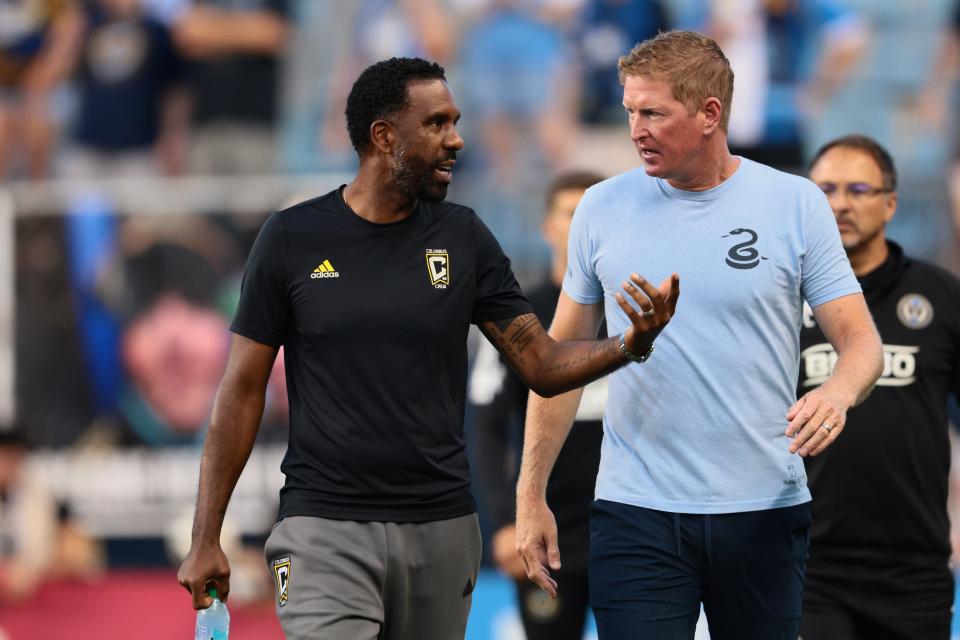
(438, 268)
(281, 573)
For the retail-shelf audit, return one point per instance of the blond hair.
(691, 63)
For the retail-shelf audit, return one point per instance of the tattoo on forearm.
(514, 335)
(525, 333)
(596, 348)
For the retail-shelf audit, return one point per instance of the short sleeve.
(580, 282)
(498, 293)
(263, 313)
(825, 272)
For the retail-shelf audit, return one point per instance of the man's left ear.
(713, 112)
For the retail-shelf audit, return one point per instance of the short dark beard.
(415, 178)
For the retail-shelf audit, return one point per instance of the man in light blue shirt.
(701, 495)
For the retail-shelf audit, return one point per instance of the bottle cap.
(213, 592)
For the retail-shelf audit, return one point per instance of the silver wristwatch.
(630, 355)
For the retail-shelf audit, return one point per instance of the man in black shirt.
(501, 400)
(371, 290)
(880, 536)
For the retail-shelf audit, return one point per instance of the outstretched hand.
(657, 305)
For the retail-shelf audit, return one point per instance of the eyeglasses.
(854, 190)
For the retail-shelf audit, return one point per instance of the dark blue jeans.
(650, 570)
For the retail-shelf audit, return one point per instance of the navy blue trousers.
(650, 571)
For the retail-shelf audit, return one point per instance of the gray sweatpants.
(339, 579)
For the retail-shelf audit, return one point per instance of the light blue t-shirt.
(699, 427)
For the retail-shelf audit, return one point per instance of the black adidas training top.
(375, 352)
(880, 491)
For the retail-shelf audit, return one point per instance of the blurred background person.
(880, 541)
(789, 57)
(38, 538)
(520, 89)
(377, 29)
(131, 111)
(49, 349)
(235, 48)
(937, 103)
(518, 82)
(605, 29)
(173, 347)
(501, 398)
(38, 44)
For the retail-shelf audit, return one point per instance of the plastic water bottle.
(213, 623)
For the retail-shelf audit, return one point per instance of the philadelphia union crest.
(914, 311)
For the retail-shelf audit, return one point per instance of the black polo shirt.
(374, 320)
(880, 491)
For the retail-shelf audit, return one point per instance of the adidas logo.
(325, 270)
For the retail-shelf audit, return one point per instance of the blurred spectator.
(381, 29)
(519, 85)
(501, 399)
(131, 118)
(936, 99)
(236, 48)
(49, 347)
(38, 41)
(38, 539)
(789, 57)
(173, 346)
(608, 29)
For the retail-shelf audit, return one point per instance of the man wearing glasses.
(878, 564)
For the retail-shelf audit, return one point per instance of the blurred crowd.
(112, 88)
(126, 316)
(94, 89)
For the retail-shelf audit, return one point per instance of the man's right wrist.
(205, 538)
(530, 497)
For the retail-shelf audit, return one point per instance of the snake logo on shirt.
(743, 255)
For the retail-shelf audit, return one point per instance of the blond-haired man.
(701, 495)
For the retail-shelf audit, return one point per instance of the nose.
(839, 201)
(454, 141)
(638, 130)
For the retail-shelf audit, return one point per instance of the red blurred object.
(142, 604)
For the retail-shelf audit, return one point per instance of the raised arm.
(207, 31)
(237, 411)
(549, 367)
(821, 414)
